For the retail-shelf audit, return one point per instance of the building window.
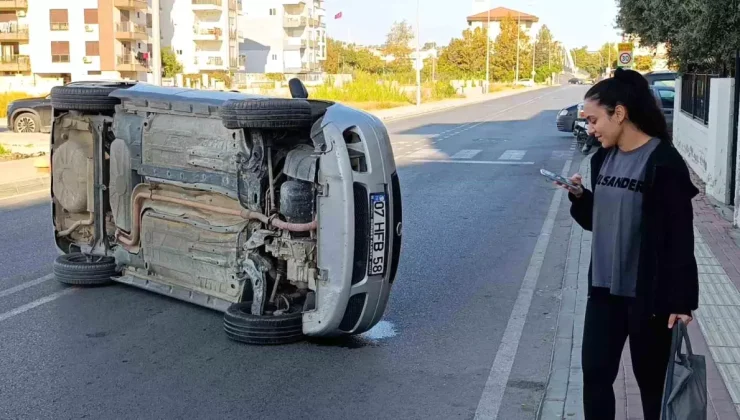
(91, 16)
(94, 73)
(92, 48)
(274, 57)
(58, 20)
(273, 12)
(60, 51)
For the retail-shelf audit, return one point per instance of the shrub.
(364, 88)
(4, 151)
(7, 97)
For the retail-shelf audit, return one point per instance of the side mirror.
(297, 89)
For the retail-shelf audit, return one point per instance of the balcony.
(293, 21)
(292, 44)
(16, 33)
(131, 4)
(209, 63)
(18, 63)
(199, 5)
(129, 31)
(207, 34)
(238, 63)
(129, 62)
(294, 2)
(13, 4)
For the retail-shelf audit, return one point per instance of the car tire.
(26, 122)
(266, 113)
(240, 325)
(86, 98)
(78, 269)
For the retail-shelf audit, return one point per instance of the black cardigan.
(668, 279)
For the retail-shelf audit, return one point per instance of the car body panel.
(565, 121)
(40, 107)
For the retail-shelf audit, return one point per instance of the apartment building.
(203, 34)
(14, 47)
(83, 39)
(284, 36)
(480, 18)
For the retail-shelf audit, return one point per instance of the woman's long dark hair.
(629, 89)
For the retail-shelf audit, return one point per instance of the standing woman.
(643, 275)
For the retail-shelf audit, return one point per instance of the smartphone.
(558, 178)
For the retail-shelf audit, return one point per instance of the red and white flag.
(338, 15)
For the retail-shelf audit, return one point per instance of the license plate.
(378, 233)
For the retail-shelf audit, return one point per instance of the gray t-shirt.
(617, 217)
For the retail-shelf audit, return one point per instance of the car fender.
(22, 111)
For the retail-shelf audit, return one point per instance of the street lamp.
(418, 58)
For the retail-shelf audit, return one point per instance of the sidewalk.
(21, 177)
(715, 332)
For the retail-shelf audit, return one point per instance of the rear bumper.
(348, 299)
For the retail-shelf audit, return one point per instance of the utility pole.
(518, 28)
(418, 58)
(488, 49)
(156, 45)
(534, 52)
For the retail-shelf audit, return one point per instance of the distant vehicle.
(525, 82)
(566, 119)
(33, 115)
(30, 115)
(661, 78)
(665, 96)
(575, 81)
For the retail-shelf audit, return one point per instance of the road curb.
(11, 189)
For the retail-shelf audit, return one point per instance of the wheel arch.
(20, 111)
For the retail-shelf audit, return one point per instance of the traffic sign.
(626, 57)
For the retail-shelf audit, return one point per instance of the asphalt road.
(469, 328)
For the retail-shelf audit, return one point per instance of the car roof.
(147, 91)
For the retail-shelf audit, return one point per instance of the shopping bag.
(685, 391)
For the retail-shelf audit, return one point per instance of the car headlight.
(563, 112)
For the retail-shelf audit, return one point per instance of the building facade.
(480, 18)
(84, 39)
(203, 34)
(284, 36)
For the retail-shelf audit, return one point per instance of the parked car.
(665, 96)
(661, 78)
(575, 81)
(30, 115)
(33, 115)
(284, 214)
(566, 118)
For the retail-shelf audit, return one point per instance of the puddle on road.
(382, 330)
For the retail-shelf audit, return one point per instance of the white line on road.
(16, 289)
(493, 392)
(38, 302)
(479, 162)
(513, 155)
(466, 154)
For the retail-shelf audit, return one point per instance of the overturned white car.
(285, 214)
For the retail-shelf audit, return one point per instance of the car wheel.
(240, 325)
(266, 113)
(78, 269)
(26, 123)
(92, 98)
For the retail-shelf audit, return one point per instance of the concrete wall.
(706, 147)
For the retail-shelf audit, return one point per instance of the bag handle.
(680, 335)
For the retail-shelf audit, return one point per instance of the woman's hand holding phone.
(577, 180)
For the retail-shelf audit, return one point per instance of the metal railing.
(207, 2)
(13, 4)
(15, 63)
(209, 61)
(205, 31)
(129, 60)
(294, 21)
(695, 96)
(14, 33)
(130, 27)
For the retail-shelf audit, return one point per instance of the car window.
(666, 83)
(666, 98)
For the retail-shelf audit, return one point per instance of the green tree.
(590, 62)
(334, 54)
(609, 52)
(546, 55)
(465, 57)
(644, 63)
(503, 63)
(700, 35)
(398, 44)
(170, 65)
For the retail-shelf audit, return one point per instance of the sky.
(574, 22)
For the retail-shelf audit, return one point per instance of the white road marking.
(474, 162)
(465, 154)
(493, 392)
(26, 285)
(38, 302)
(424, 153)
(513, 155)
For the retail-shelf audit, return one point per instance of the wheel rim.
(25, 125)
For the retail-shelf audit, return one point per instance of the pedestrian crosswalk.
(508, 157)
(513, 155)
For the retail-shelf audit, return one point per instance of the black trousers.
(609, 321)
